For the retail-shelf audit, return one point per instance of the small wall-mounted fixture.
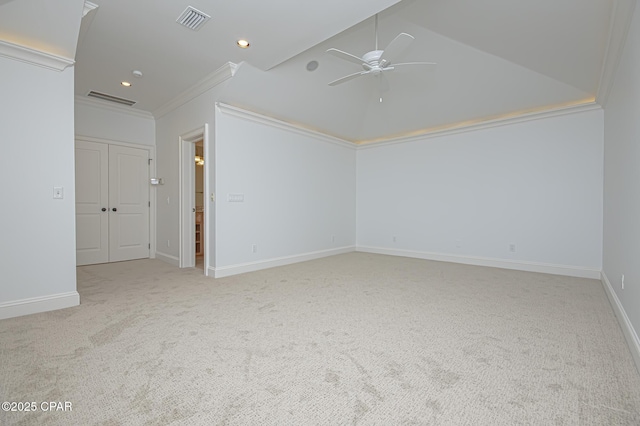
(156, 181)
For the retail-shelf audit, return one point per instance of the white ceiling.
(125, 35)
(564, 40)
(495, 57)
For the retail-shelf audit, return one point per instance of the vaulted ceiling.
(495, 58)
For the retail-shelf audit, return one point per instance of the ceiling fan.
(377, 62)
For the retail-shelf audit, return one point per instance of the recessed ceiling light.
(312, 66)
(243, 43)
(136, 73)
(125, 83)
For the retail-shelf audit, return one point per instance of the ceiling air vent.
(192, 18)
(110, 98)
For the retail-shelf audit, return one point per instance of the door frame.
(186, 153)
(152, 189)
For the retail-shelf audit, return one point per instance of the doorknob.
(104, 209)
(114, 209)
(193, 209)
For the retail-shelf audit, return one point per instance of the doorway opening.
(194, 200)
(199, 203)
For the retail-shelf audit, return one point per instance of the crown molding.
(619, 24)
(463, 128)
(34, 56)
(485, 124)
(104, 105)
(220, 75)
(274, 122)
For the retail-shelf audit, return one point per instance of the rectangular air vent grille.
(192, 18)
(110, 98)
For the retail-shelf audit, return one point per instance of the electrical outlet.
(333, 238)
(512, 248)
(254, 248)
(394, 238)
(168, 243)
(458, 243)
(622, 281)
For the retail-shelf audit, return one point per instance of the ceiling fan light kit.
(376, 62)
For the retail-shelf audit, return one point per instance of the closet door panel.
(129, 203)
(92, 196)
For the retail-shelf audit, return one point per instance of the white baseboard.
(625, 324)
(485, 261)
(226, 271)
(172, 260)
(35, 305)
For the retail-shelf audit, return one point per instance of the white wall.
(298, 188)
(622, 187)
(184, 119)
(37, 247)
(468, 196)
(113, 123)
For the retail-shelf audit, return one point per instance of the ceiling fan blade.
(347, 78)
(431, 64)
(346, 56)
(408, 65)
(396, 48)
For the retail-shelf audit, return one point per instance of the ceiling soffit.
(50, 27)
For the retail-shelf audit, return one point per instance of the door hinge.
(149, 203)
(149, 161)
(149, 245)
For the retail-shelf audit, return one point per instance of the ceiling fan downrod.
(376, 30)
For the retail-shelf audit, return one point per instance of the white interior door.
(129, 203)
(187, 186)
(188, 204)
(92, 197)
(112, 203)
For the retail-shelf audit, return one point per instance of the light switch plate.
(235, 198)
(58, 192)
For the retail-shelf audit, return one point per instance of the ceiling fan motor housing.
(372, 59)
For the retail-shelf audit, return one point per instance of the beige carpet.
(352, 339)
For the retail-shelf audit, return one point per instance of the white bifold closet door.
(112, 203)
